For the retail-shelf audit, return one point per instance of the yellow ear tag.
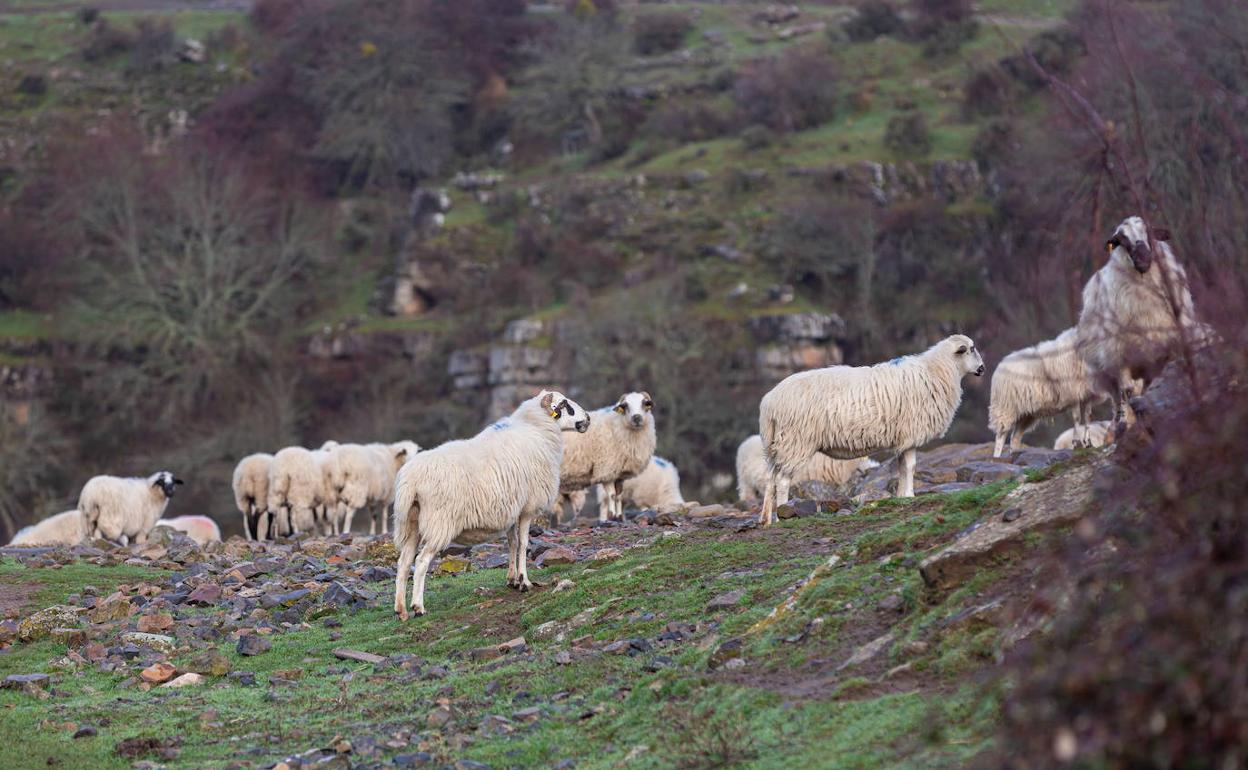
(555, 415)
(1109, 247)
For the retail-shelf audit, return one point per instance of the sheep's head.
(637, 408)
(566, 412)
(330, 445)
(402, 451)
(962, 348)
(1132, 241)
(166, 481)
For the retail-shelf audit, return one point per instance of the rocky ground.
(693, 639)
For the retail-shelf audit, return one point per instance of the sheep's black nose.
(980, 371)
(582, 426)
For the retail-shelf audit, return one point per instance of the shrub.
(1056, 50)
(907, 135)
(995, 142)
(757, 137)
(687, 122)
(986, 92)
(943, 25)
(875, 18)
(655, 33)
(88, 15)
(155, 45)
(792, 92)
(105, 41)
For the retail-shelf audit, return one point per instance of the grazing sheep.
(68, 528)
(618, 446)
(853, 411)
(325, 513)
(121, 509)
(495, 481)
(296, 488)
(752, 469)
(251, 491)
(390, 458)
(1092, 434)
(1038, 382)
(1137, 312)
(201, 529)
(358, 477)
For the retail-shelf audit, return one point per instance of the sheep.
(121, 509)
(1137, 311)
(251, 491)
(853, 411)
(201, 529)
(658, 486)
(1092, 434)
(497, 480)
(325, 513)
(1037, 382)
(752, 469)
(296, 488)
(390, 458)
(358, 480)
(67, 528)
(618, 446)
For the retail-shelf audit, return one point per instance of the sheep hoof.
(402, 614)
(418, 611)
(525, 586)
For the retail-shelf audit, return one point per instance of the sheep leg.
(427, 552)
(999, 447)
(618, 498)
(513, 539)
(605, 504)
(406, 555)
(372, 523)
(905, 474)
(1126, 390)
(767, 513)
(522, 552)
(385, 521)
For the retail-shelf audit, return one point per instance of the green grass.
(54, 584)
(597, 710)
(24, 325)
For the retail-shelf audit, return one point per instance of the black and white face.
(1131, 242)
(167, 482)
(569, 414)
(966, 355)
(635, 407)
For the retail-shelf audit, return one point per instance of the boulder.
(40, 624)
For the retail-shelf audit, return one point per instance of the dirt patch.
(15, 596)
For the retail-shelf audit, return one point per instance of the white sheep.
(1137, 312)
(296, 488)
(390, 458)
(657, 487)
(325, 513)
(251, 491)
(854, 411)
(358, 476)
(202, 529)
(618, 446)
(752, 469)
(67, 528)
(124, 509)
(1093, 434)
(495, 481)
(1037, 382)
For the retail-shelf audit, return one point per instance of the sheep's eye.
(621, 408)
(961, 350)
(648, 404)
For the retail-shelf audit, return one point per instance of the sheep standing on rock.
(296, 488)
(1038, 382)
(847, 412)
(201, 529)
(617, 447)
(1137, 312)
(251, 491)
(495, 481)
(68, 528)
(752, 469)
(121, 509)
(1093, 434)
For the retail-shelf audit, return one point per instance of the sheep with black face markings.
(617, 447)
(125, 509)
(1037, 382)
(854, 411)
(496, 481)
(1137, 313)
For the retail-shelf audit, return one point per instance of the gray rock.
(867, 651)
(724, 601)
(250, 644)
(986, 472)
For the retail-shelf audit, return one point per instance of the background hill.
(228, 229)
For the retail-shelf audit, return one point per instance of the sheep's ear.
(961, 350)
(1160, 234)
(1112, 243)
(177, 480)
(547, 399)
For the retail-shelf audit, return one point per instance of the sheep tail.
(406, 525)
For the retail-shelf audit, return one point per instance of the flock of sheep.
(820, 425)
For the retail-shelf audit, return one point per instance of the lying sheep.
(495, 481)
(390, 458)
(752, 469)
(122, 510)
(251, 491)
(1137, 312)
(201, 529)
(853, 411)
(296, 488)
(67, 528)
(1093, 434)
(658, 486)
(1037, 382)
(618, 446)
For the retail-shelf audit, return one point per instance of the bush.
(986, 92)
(88, 15)
(875, 18)
(105, 41)
(792, 92)
(155, 45)
(660, 32)
(687, 122)
(1056, 50)
(996, 141)
(907, 135)
(757, 137)
(943, 25)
